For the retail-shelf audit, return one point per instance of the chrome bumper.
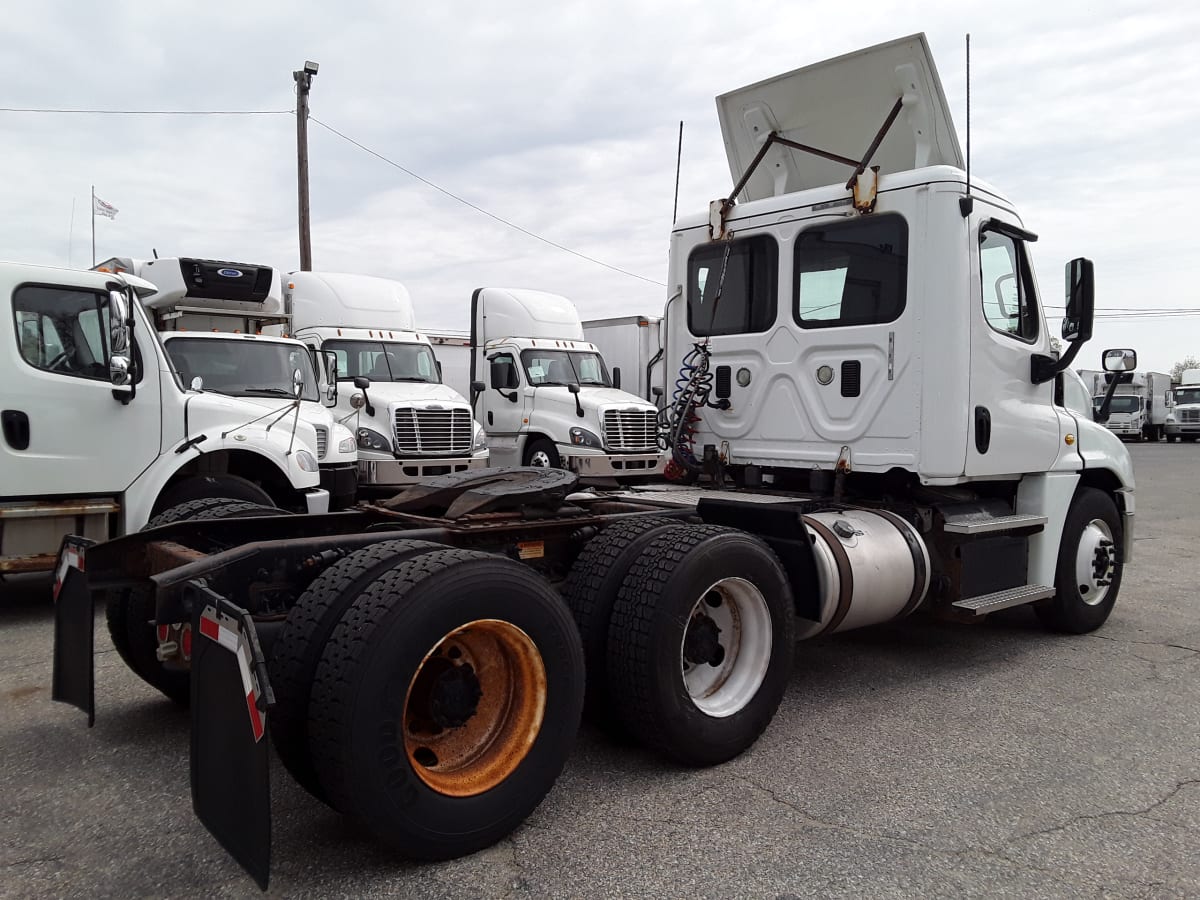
(388, 472)
(611, 465)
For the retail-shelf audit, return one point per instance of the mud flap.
(231, 786)
(74, 676)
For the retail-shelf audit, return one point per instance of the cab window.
(1009, 304)
(851, 273)
(732, 286)
(63, 330)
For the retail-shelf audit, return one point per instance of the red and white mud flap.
(74, 678)
(231, 783)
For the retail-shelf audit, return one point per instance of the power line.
(148, 112)
(480, 209)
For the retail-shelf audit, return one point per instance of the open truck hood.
(838, 106)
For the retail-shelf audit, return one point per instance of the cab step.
(989, 603)
(981, 523)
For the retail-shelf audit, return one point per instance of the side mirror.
(297, 383)
(478, 387)
(573, 388)
(120, 363)
(504, 375)
(438, 363)
(331, 373)
(1081, 301)
(362, 382)
(197, 383)
(616, 377)
(1119, 360)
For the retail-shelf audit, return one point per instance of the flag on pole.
(100, 208)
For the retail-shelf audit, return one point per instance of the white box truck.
(99, 432)
(211, 315)
(544, 393)
(879, 466)
(632, 346)
(409, 424)
(1183, 420)
(1140, 407)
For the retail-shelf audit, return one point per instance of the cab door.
(1013, 425)
(65, 433)
(504, 400)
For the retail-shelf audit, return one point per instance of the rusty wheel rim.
(474, 707)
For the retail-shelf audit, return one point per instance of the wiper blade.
(272, 391)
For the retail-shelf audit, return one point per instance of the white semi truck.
(1183, 420)
(876, 423)
(99, 432)
(211, 315)
(409, 425)
(1141, 406)
(544, 393)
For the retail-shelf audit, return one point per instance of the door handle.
(16, 428)
(983, 429)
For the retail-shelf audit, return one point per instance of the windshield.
(1120, 404)
(242, 367)
(1187, 395)
(564, 367)
(384, 361)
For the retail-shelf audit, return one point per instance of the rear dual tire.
(446, 702)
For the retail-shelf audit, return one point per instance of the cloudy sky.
(563, 119)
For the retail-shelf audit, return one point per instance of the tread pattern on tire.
(631, 648)
(295, 657)
(340, 670)
(189, 510)
(591, 604)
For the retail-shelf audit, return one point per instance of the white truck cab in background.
(1183, 421)
(98, 431)
(408, 424)
(211, 314)
(544, 393)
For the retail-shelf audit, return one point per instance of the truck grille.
(429, 431)
(631, 429)
(322, 442)
(1190, 415)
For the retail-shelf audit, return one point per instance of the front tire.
(541, 453)
(446, 702)
(700, 643)
(1088, 576)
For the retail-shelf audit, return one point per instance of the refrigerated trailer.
(420, 662)
(632, 345)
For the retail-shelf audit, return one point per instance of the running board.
(976, 524)
(989, 603)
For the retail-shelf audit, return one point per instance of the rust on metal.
(164, 555)
(474, 707)
(21, 564)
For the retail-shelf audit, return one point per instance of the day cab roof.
(28, 273)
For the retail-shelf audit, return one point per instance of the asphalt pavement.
(915, 760)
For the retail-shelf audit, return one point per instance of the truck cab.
(211, 315)
(407, 423)
(100, 433)
(545, 394)
(1183, 421)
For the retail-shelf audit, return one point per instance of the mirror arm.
(1102, 413)
(1043, 368)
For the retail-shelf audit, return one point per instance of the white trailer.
(632, 347)
(409, 423)
(874, 420)
(544, 393)
(211, 315)
(99, 432)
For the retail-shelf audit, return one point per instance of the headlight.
(345, 440)
(373, 440)
(581, 437)
(479, 438)
(306, 461)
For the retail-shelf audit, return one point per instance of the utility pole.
(303, 78)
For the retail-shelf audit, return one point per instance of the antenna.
(678, 159)
(967, 203)
(154, 250)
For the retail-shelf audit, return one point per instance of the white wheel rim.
(1095, 562)
(729, 680)
(540, 459)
